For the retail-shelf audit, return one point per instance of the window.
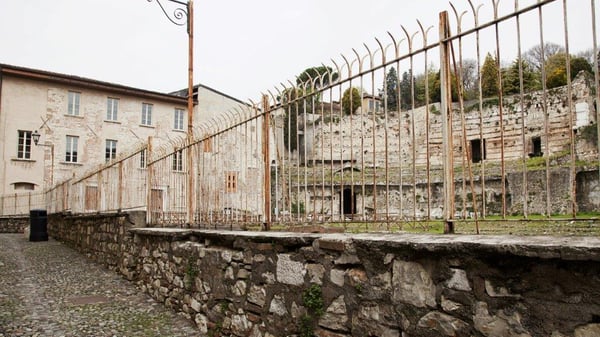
(143, 158)
(112, 108)
(24, 186)
(74, 98)
(478, 151)
(71, 152)
(178, 161)
(111, 150)
(146, 114)
(536, 145)
(24, 146)
(231, 182)
(178, 119)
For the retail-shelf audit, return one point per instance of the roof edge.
(23, 72)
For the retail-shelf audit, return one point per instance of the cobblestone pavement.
(49, 290)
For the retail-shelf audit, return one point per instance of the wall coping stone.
(573, 248)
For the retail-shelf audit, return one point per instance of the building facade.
(83, 123)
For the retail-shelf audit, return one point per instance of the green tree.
(432, 80)
(579, 64)
(292, 107)
(351, 100)
(435, 87)
(391, 86)
(489, 76)
(556, 70)
(511, 82)
(405, 92)
(303, 98)
(317, 75)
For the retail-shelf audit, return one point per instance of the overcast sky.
(242, 47)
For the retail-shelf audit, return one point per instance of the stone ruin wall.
(361, 130)
(14, 224)
(335, 285)
(400, 204)
(348, 135)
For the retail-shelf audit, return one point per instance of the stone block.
(277, 306)
(336, 316)
(444, 325)
(590, 330)
(338, 246)
(337, 277)
(459, 280)
(257, 295)
(412, 284)
(288, 271)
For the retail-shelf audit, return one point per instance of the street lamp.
(183, 14)
(36, 139)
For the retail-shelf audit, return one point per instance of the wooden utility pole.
(446, 107)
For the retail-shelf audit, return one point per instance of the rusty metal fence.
(21, 203)
(488, 116)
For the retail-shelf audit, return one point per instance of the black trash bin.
(38, 225)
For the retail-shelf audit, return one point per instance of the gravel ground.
(49, 290)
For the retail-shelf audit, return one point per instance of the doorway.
(348, 202)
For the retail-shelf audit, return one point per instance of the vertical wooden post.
(120, 189)
(267, 160)
(99, 192)
(446, 107)
(148, 181)
(190, 108)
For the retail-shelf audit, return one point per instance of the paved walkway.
(49, 290)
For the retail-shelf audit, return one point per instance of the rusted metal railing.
(486, 123)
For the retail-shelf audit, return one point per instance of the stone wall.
(334, 285)
(16, 224)
(102, 238)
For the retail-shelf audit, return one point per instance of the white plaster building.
(83, 123)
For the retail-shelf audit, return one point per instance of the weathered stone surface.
(497, 291)
(412, 284)
(347, 259)
(277, 306)
(257, 295)
(243, 274)
(201, 323)
(389, 257)
(445, 325)
(195, 305)
(449, 306)
(336, 315)
(327, 333)
(337, 277)
(331, 245)
(315, 273)
(288, 271)
(269, 278)
(229, 273)
(356, 276)
(500, 325)
(459, 280)
(255, 332)
(390, 283)
(239, 289)
(297, 310)
(590, 330)
(240, 325)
